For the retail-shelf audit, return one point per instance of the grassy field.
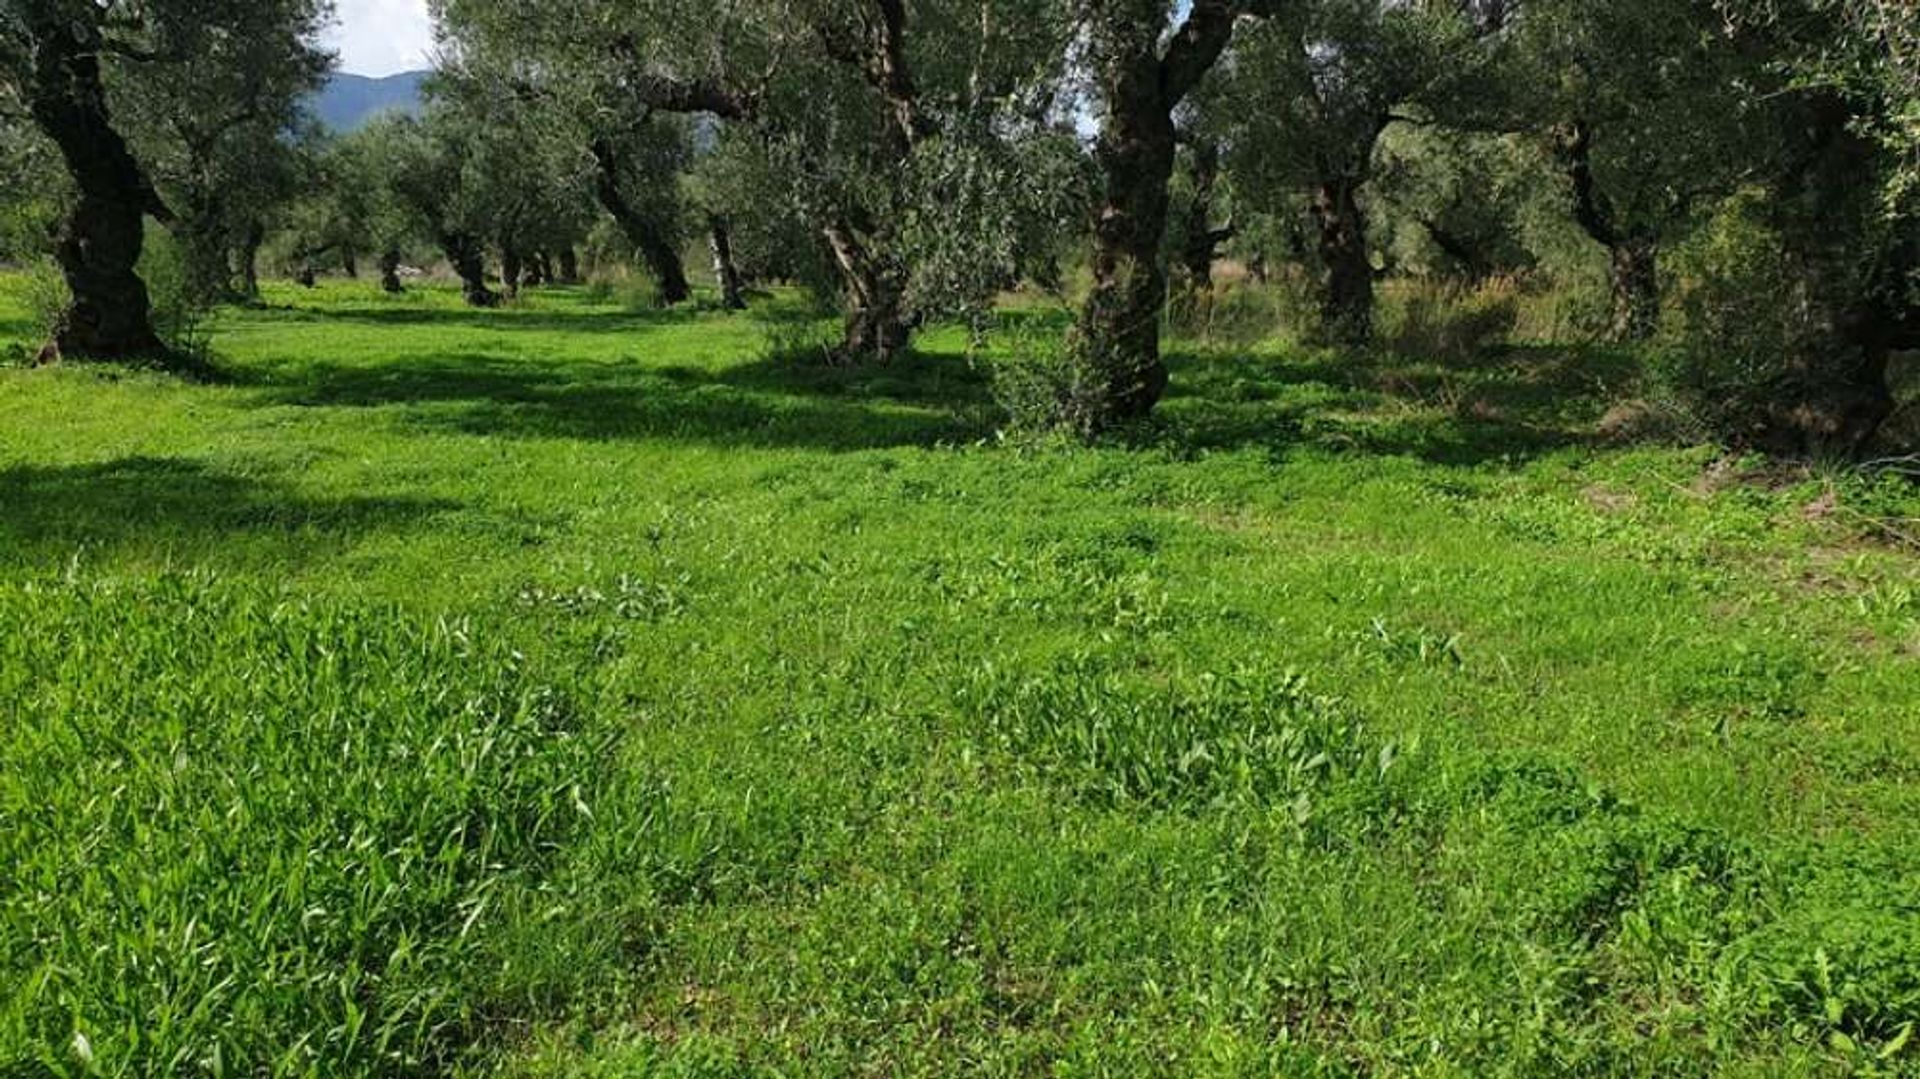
(564, 691)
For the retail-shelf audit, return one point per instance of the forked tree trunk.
(99, 245)
(720, 242)
(539, 269)
(1633, 257)
(654, 245)
(877, 326)
(390, 271)
(1346, 308)
(1118, 338)
(468, 259)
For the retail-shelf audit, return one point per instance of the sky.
(381, 37)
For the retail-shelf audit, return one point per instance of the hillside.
(348, 101)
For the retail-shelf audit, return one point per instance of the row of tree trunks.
(100, 241)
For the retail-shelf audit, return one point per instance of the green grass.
(564, 691)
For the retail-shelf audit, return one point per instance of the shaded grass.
(570, 691)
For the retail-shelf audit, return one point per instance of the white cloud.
(382, 37)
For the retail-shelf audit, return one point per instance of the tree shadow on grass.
(178, 505)
(1510, 407)
(773, 403)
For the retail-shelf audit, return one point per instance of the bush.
(46, 295)
(180, 310)
(1038, 380)
(1450, 320)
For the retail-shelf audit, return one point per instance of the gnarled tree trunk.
(1202, 240)
(1118, 339)
(250, 243)
(1633, 258)
(468, 259)
(390, 271)
(1346, 308)
(512, 269)
(100, 241)
(878, 326)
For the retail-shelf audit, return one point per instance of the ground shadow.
(177, 503)
(916, 401)
(1507, 406)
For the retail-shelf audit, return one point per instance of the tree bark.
(1346, 310)
(99, 245)
(350, 263)
(250, 244)
(877, 326)
(1634, 275)
(655, 247)
(720, 242)
(1118, 339)
(469, 261)
(1633, 266)
(512, 268)
(569, 266)
(390, 271)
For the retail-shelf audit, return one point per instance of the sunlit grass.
(572, 690)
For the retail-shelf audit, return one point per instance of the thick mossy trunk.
(468, 259)
(99, 245)
(720, 243)
(1346, 306)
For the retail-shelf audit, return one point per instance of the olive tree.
(60, 58)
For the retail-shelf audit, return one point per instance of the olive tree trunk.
(654, 245)
(468, 259)
(720, 242)
(1118, 339)
(1346, 307)
(878, 326)
(100, 240)
(390, 271)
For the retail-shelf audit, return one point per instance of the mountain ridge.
(348, 101)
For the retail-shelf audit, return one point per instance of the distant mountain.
(348, 101)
